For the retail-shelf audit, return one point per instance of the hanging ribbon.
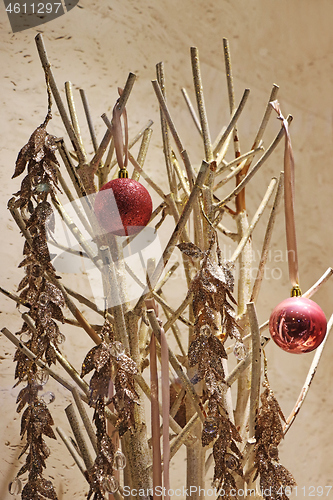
(151, 304)
(117, 133)
(289, 196)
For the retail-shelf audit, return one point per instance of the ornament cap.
(296, 291)
(123, 174)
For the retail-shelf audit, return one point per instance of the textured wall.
(287, 43)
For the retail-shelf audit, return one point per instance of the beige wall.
(282, 42)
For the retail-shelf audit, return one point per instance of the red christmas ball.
(123, 206)
(297, 325)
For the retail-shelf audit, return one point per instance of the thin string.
(289, 197)
(117, 132)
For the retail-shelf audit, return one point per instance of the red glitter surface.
(126, 198)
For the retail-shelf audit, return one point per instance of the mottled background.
(95, 46)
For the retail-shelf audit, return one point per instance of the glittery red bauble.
(123, 206)
(297, 325)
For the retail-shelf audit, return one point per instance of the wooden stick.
(180, 439)
(74, 118)
(255, 220)
(29, 354)
(266, 116)
(14, 297)
(254, 169)
(142, 152)
(108, 134)
(89, 304)
(174, 326)
(308, 380)
(76, 232)
(66, 158)
(74, 203)
(256, 369)
(146, 177)
(158, 297)
(178, 312)
(56, 94)
(165, 133)
(79, 437)
(155, 417)
(165, 110)
(69, 368)
(89, 119)
(77, 458)
(172, 423)
(236, 161)
(267, 240)
(224, 134)
(201, 104)
(165, 410)
(115, 300)
(230, 84)
(327, 274)
(85, 419)
(232, 174)
(191, 110)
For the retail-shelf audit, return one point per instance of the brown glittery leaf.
(50, 355)
(99, 386)
(24, 194)
(25, 262)
(25, 420)
(41, 213)
(107, 330)
(191, 250)
(218, 273)
(50, 168)
(56, 312)
(54, 294)
(23, 367)
(89, 361)
(23, 469)
(40, 248)
(21, 161)
(28, 493)
(102, 356)
(269, 433)
(210, 431)
(196, 349)
(46, 489)
(217, 347)
(48, 431)
(51, 142)
(107, 448)
(37, 142)
(23, 283)
(127, 364)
